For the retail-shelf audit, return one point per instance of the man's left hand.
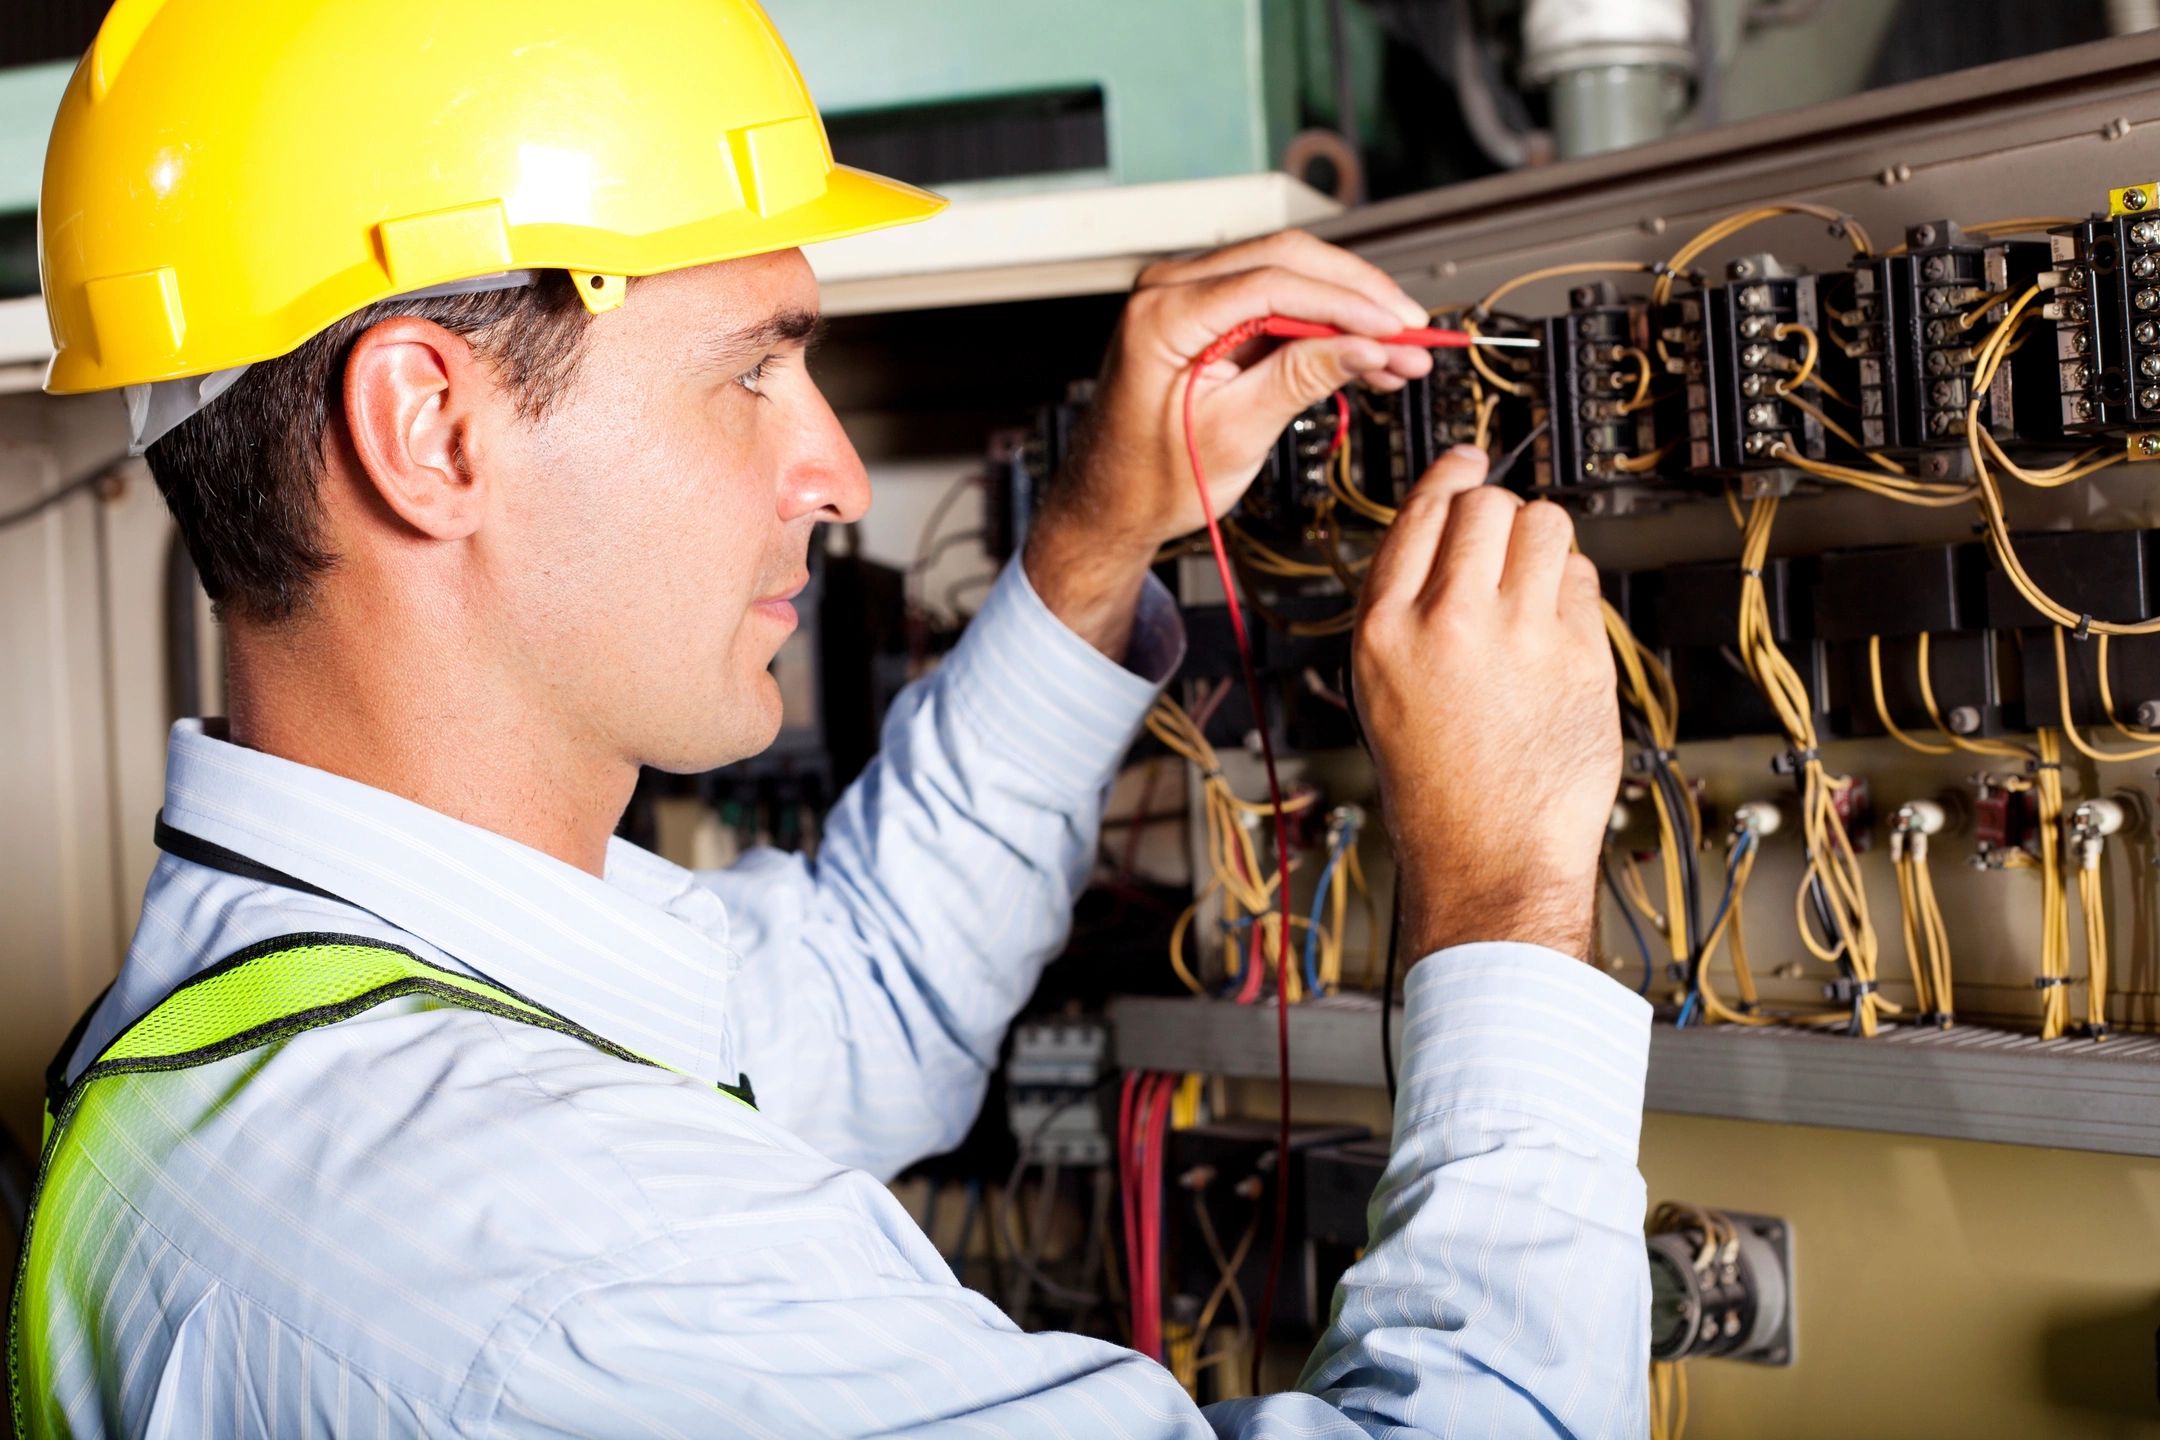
(1128, 488)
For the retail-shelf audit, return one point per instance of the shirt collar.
(641, 957)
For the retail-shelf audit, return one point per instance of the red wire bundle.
(1143, 1125)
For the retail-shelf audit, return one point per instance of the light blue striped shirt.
(427, 1220)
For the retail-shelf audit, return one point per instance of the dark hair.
(242, 475)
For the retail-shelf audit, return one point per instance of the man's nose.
(824, 478)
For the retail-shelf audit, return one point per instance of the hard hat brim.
(854, 202)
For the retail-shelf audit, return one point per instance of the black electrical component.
(1295, 478)
(1698, 628)
(1633, 594)
(1238, 1162)
(1895, 596)
(1596, 386)
(1736, 345)
(1920, 317)
(2107, 316)
(1023, 467)
(1724, 1293)
(1339, 1185)
(2108, 574)
(1438, 411)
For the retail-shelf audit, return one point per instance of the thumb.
(1299, 375)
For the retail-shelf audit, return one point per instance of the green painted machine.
(1011, 94)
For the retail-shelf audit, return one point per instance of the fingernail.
(1413, 314)
(1467, 452)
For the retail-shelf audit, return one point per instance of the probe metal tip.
(1520, 342)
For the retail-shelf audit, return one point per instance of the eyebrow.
(782, 327)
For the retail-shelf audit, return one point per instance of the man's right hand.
(1485, 685)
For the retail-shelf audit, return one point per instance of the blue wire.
(1741, 847)
(1627, 913)
(1319, 901)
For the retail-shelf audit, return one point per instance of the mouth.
(780, 606)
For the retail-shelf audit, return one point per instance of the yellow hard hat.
(228, 177)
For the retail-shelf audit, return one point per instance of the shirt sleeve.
(879, 979)
(1505, 1292)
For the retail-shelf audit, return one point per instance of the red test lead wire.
(1279, 327)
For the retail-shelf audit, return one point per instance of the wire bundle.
(1144, 1106)
(1832, 880)
(1927, 939)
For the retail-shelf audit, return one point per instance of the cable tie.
(1804, 757)
(2049, 982)
(2037, 765)
(1750, 573)
(1858, 988)
(2084, 628)
(1477, 314)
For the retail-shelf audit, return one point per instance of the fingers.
(1298, 251)
(1192, 316)
(1474, 546)
(1404, 561)
(1306, 372)
(1582, 598)
(1537, 555)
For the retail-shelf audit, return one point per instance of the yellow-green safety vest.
(264, 995)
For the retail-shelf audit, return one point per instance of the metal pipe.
(2127, 17)
(1610, 107)
(1617, 69)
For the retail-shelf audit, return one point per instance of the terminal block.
(1440, 410)
(2106, 310)
(1919, 318)
(1295, 479)
(1595, 382)
(1736, 345)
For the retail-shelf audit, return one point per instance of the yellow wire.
(1732, 225)
(2069, 727)
(1882, 710)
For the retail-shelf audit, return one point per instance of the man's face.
(659, 517)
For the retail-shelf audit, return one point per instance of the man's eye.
(754, 377)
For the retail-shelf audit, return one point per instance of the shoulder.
(402, 1185)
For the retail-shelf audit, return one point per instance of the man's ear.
(414, 394)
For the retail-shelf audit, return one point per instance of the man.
(422, 1135)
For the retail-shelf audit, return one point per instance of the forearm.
(1505, 1291)
(1089, 574)
(882, 977)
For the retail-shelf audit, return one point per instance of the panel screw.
(1963, 720)
(2148, 444)
(2148, 714)
(1654, 225)
(1778, 1356)
(1740, 269)
(2135, 199)
(1923, 235)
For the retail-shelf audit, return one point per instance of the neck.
(436, 730)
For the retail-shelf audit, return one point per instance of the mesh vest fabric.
(262, 996)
